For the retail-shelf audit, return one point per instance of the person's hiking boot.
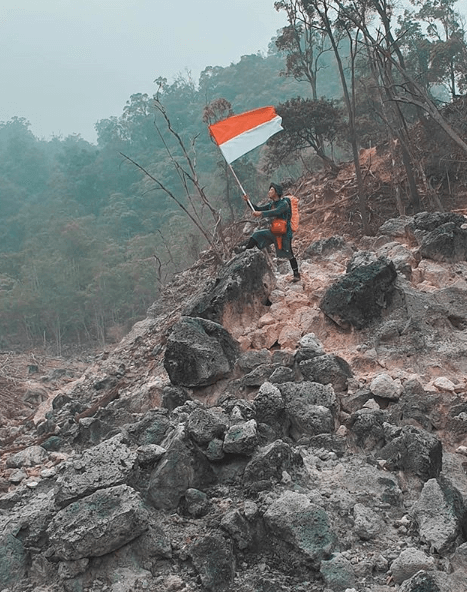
(239, 249)
(296, 277)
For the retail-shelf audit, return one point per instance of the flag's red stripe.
(225, 130)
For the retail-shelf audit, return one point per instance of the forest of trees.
(89, 233)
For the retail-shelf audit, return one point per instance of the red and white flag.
(239, 134)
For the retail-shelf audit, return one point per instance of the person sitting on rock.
(279, 207)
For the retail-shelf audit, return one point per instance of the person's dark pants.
(252, 242)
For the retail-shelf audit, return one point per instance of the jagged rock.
(310, 393)
(199, 353)
(304, 526)
(149, 454)
(173, 397)
(13, 560)
(98, 524)
(33, 455)
(428, 221)
(327, 247)
(205, 425)
(367, 523)
(269, 407)
(259, 375)
(310, 408)
(459, 558)
(415, 405)
(182, 467)
(238, 528)
(327, 369)
(397, 227)
(196, 503)
(29, 518)
(150, 429)
(239, 293)
(311, 342)
(105, 465)
(241, 438)
(414, 450)
(446, 243)
(251, 359)
(432, 581)
(440, 514)
(404, 259)
(338, 573)
(361, 295)
(268, 462)
(215, 450)
(367, 425)
(386, 387)
(71, 569)
(355, 402)
(214, 560)
(409, 562)
(282, 374)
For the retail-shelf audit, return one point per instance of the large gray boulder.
(98, 524)
(304, 527)
(182, 467)
(13, 560)
(338, 573)
(327, 369)
(238, 294)
(241, 438)
(269, 407)
(446, 243)
(205, 425)
(431, 581)
(33, 455)
(409, 562)
(269, 462)
(214, 560)
(361, 295)
(429, 221)
(440, 514)
(368, 427)
(238, 528)
(414, 450)
(199, 353)
(310, 408)
(105, 465)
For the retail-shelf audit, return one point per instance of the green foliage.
(307, 123)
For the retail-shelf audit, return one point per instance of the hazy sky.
(65, 64)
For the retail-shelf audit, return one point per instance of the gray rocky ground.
(255, 435)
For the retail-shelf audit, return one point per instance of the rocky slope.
(259, 436)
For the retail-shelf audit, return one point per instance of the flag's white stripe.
(243, 143)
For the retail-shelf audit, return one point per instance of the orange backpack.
(294, 215)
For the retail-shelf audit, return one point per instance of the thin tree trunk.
(351, 112)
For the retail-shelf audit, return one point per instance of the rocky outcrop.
(240, 292)
(287, 453)
(199, 353)
(361, 295)
(97, 524)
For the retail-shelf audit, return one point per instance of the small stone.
(444, 384)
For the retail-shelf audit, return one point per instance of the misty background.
(65, 65)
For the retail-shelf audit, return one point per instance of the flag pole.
(240, 185)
